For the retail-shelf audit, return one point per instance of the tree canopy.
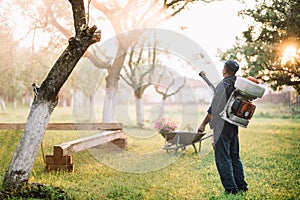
(271, 45)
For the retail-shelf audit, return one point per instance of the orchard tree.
(25, 58)
(47, 97)
(138, 70)
(167, 85)
(11, 63)
(137, 73)
(53, 19)
(271, 45)
(135, 15)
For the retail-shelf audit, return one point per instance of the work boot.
(243, 189)
(232, 191)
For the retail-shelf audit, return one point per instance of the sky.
(212, 25)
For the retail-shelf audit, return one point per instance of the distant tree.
(135, 15)
(87, 82)
(167, 85)
(10, 63)
(138, 72)
(271, 45)
(46, 98)
(21, 65)
(54, 20)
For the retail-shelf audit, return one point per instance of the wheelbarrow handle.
(208, 136)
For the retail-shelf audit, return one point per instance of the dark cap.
(232, 65)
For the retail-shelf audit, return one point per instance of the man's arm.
(204, 123)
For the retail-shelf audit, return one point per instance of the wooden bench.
(62, 158)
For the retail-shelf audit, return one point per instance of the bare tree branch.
(78, 16)
(164, 92)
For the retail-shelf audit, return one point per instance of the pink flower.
(165, 124)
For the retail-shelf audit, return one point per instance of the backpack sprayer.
(239, 108)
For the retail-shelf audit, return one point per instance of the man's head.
(230, 68)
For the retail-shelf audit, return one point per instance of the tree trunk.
(161, 112)
(3, 104)
(15, 103)
(109, 104)
(91, 107)
(139, 111)
(46, 99)
(22, 162)
(112, 87)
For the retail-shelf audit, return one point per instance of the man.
(226, 143)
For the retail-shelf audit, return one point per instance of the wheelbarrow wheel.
(180, 150)
(171, 151)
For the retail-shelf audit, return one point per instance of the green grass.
(269, 149)
(269, 110)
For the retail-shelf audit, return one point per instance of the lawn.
(270, 151)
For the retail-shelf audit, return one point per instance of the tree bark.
(47, 97)
(161, 112)
(109, 104)
(22, 162)
(139, 111)
(3, 105)
(112, 87)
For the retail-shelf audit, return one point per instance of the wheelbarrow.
(179, 140)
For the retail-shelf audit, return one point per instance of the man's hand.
(207, 118)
